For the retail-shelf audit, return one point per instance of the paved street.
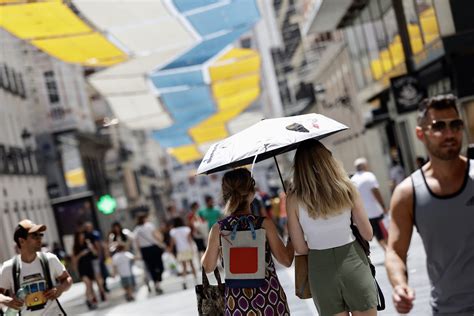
(175, 301)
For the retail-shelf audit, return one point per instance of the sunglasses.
(440, 126)
(36, 235)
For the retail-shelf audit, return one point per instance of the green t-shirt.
(211, 215)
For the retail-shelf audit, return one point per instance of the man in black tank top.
(439, 200)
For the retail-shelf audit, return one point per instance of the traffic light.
(106, 204)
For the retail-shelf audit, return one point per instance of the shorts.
(127, 281)
(340, 280)
(380, 232)
(200, 244)
(185, 255)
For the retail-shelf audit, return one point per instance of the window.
(395, 44)
(371, 40)
(3, 161)
(363, 53)
(246, 42)
(2, 78)
(354, 51)
(21, 85)
(51, 87)
(13, 82)
(9, 79)
(427, 20)
(413, 26)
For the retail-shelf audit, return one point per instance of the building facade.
(22, 188)
(398, 53)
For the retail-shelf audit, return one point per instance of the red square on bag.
(243, 260)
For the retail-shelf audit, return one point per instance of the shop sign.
(407, 92)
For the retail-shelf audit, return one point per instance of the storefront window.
(413, 26)
(421, 23)
(363, 51)
(427, 19)
(384, 63)
(374, 41)
(395, 44)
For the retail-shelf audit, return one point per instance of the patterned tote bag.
(210, 298)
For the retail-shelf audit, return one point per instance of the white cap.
(360, 161)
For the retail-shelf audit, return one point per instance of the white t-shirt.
(181, 235)
(144, 235)
(32, 279)
(365, 181)
(123, 262)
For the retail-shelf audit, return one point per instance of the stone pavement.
(176, 301)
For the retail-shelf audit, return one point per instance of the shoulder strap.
(47, 275)
(16, 274)
(45, 266)
(259, 222)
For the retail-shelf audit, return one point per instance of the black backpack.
(46, 272)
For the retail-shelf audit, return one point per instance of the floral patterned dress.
(267, 300)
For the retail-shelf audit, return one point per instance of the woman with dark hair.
(181, 238)
(149, 240)
(238, 190)
(320, 204)
(198, 228)
(84, 254)
(117, 236)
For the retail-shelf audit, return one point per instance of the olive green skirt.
(340, 280)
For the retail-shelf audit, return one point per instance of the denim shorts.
(127, 281)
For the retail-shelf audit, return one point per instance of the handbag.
(302, 289)
(366, 247)
(210, 298)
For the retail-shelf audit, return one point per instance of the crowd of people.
(315, 218)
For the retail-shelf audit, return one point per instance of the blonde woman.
(320, 204)
(238, 190)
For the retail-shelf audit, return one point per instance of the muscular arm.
(399, 237)
(284, 254)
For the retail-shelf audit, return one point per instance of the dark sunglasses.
(439, 126)
(36, 235)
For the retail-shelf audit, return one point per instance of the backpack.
(46, 272)
(243, 251)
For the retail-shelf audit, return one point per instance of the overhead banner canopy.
(212, 83)
(153, 34)
(174, 66)
(54, 28)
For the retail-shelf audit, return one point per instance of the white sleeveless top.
(326, 233)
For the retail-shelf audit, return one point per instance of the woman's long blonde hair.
(320, 183)
(237, 186)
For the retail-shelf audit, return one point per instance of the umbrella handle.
(279, 173)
